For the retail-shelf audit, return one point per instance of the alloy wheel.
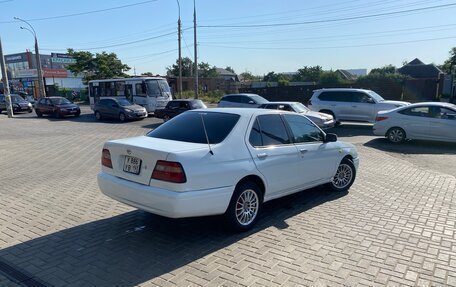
(247, 206)
(343, 176)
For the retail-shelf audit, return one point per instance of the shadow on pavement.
(351, 130)
(412, 147)
(135, 247)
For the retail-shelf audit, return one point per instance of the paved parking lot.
(395, 227)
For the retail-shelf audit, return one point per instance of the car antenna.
(205, 133)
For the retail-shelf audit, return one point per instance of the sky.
(257, 36)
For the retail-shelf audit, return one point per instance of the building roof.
(419, 70)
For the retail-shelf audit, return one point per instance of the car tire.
(396, 135)
(244, 207)
(77, 114)
(166, 118)
(1, 111)
(98, 115)
(344, 177)
(38, 113)
(122, 117)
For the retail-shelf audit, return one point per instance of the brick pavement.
(395, 227)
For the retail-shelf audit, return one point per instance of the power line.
(120, 44)
(329, 20)
(328, 47)
(82, 13)
(395, 32)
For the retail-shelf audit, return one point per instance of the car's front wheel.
(245, 205)
(395, 135)
(344, 177)
(98, 115)
(122, 117)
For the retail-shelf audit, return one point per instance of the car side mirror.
(330, 138)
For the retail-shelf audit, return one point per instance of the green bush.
(211, 97)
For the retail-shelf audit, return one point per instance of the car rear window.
(188, 127)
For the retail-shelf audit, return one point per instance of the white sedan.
(224, 161)
(421, 121)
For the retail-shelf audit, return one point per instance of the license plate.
(132, 164)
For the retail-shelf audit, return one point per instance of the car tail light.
(169, 171)
(106, 158)
(379, 118)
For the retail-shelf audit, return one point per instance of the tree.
(450, 62)
(147, 74)
(388, 69)
(330, 78)
(205, 70)
(228, 68)
(187, 68)
(247, 76)
(308, 74)
(98, 66)
(270, 77)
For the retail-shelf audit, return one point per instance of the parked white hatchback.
(421, 121)
(224, 161)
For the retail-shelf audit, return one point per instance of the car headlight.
(63, 110)
(29, 104)
(128, 110)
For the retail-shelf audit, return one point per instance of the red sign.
(56, 73)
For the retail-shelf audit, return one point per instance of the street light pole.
(179, 31)
(6, 90)
(37, 59)
(195, 48)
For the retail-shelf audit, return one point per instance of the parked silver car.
(322, 120)
(424, 121)
(351, 104)
(241, 101)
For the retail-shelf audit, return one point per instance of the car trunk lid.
(135, 158)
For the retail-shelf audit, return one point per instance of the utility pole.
(6, 90)
(37, 59)
(195, 46)
(179, 31)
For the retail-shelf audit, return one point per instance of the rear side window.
(417, 112)
(336, 96)
(232, 99)
(269, 130)
(188, 127)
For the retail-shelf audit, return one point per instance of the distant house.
(227, 75)
(419, 70)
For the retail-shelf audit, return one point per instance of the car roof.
(281, 103)
(342, 90)
(242, 111)
(242, 94)
(185, 100)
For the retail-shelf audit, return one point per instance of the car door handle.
(302, 150)
(262, 155)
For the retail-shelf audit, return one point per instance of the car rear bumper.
(379, 130)
(136, 115)
(166, 202)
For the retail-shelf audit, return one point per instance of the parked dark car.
(56, 106)
(120, 109)
(18, 103)
(176, 107)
